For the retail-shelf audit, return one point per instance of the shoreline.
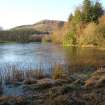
(79, 88)
(85, 46)
(65, 46)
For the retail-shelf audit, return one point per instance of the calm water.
(30, 54)
(34, 54)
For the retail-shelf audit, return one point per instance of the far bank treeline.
(21, 35)
(85, 27)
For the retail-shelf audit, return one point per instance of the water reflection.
(32, 54)
(84, 57)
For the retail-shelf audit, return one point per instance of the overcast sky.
(20, 12)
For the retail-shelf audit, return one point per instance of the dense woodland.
(22, 35)
(85, 27)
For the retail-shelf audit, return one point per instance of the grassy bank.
(76, 89)
(83, 46)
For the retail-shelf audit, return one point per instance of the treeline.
(21, 35)
(85, 27)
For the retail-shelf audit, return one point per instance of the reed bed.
(13, 73)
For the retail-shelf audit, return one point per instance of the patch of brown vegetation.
(5, 100)
(97, 79)
(62, 91)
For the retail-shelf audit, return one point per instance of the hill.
(42, 26)
(35, 32)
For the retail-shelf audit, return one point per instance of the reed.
(13, 74)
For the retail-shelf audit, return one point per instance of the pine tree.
(77, 16)
(97, 11)
(91, 11)
(70, 17)
(86, 10)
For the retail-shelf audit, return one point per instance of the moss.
(71, 87)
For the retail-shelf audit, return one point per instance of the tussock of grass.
(59, 73)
